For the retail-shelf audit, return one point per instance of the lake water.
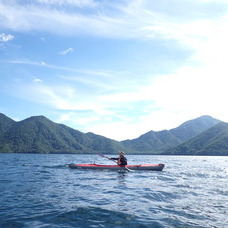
(41, 191)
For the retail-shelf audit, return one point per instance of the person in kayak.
(121, 160)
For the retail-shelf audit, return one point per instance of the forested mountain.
(162, 140)
(5, 123)
(40, 135)
(191, 128)
(214, 141)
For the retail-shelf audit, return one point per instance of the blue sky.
(115, 68)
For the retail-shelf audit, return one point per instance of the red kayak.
(156, 167)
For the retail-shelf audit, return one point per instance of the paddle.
(102, 155)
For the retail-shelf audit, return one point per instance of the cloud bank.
(118, 98)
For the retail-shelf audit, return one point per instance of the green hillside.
(214, 141)
(5, 123)
(162, 140)
(40, 135)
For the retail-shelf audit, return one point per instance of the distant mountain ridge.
(213, 141)
(5, 123)
(163, 140)
(191, 128)
(38, 134)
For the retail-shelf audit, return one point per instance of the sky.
(115, 68)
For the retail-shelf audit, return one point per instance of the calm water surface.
(41, 191)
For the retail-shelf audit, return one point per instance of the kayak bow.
(155, 167)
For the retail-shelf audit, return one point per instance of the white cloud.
(55, 96)
(66, 51)
(5, 38)
(78, 3)
(127, 19)
(43, 39)
(37, 80)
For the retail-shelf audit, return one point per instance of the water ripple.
(40, 191)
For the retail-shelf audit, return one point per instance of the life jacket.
(122, 161)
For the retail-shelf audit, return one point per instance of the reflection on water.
(122, 198)
(121, 175)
